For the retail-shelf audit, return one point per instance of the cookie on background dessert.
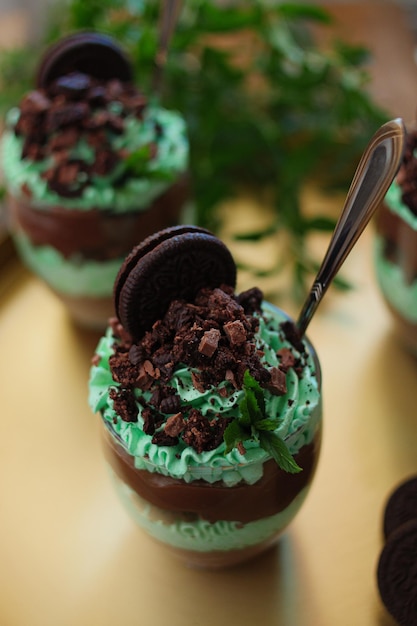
(210, 402)
(395, 254)
(91, 166)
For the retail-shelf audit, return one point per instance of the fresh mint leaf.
(234, 434)
(254, 409)
(250, 384)
(245, 416)
(310, 120)
(277, 448)
(267, 424)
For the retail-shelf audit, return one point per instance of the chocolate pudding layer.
(399, 242)
(214, 502)
(396, 266)
(96, 234)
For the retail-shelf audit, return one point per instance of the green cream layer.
(136, 193)
(299, 410)
(400, 294)
(201, 535)
(72, 277)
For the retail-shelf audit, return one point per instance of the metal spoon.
(168, 18)
(374, 174)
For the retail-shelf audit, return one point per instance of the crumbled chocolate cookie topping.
(407, 174)
(52, 120)
(213, 335)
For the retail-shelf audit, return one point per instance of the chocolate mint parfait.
(91, 167)
(210, 403)
(396, 246)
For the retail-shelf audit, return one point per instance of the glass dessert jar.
(395, 247)
(218, 507)
(91, 167)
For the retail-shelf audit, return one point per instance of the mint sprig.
(253, 422)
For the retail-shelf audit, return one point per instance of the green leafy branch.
(265, 106)
(254, 423)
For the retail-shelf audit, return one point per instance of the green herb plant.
(254, 423)
(266, 107)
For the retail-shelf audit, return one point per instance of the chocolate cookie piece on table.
(397, 574)
(172, 264)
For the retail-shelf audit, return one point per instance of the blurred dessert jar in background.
(91, 166)
(395, 251)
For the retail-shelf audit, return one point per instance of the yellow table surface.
(69, 555)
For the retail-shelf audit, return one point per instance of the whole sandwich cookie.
(91, 53)
(397, 574)
(173, 263)
(397, 564)
(401, 506)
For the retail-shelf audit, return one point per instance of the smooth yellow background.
(70, 556)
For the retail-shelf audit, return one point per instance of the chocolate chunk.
(66, 138)
(161, 438)
(287, 359)
(135, 354)
(57, 117)
(277, 384)
(174, 425)
(143, 380)
(293, 336)
(235, 332)
(251, 300)
(34, 102)
(401, 506)
(198, 433)
(122, 370)
(209, 342)
(124, 404)
(397, 574)
(148, 421)
(105, 162)
(170, 404)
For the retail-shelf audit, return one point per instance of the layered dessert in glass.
(92, 166)
(209, 402)
(395, 251)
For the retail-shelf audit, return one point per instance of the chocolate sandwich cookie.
(401, 506)
(397, 574)
(170, 265)
(91, 53)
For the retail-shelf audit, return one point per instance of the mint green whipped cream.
(299, 409)
(73, 277)
(200, 535)
(400, 294)
(136, 193)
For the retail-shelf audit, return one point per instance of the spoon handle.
(168, 18)
(374, 174)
